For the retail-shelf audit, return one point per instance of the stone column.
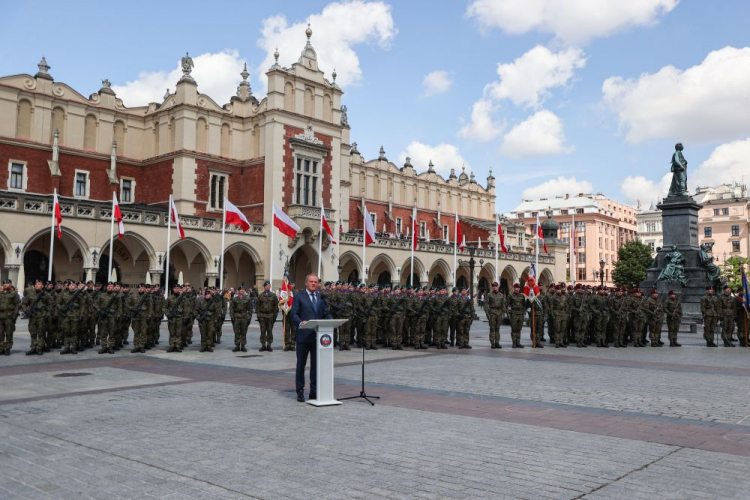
(13, 275)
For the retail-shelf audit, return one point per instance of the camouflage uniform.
(464, 316)
(494, 308)
(70, 314)
(9, 309)
(579, 310)
(396, 307)
(138, 309)
(559, 316)
(36, 305)
(741, 318)
(174, 309)
(267, 311)
(371, 312)
(638, 319)
(598, 307)
(107, 308)
(673, 310)
(710, 310)
(618, 310)
(208, 311)
(442, 313)
(240, 312)
(219, 321)
(157, 313)
(517, 310)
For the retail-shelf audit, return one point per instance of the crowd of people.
(74, 316)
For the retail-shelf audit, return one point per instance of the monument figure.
(678, 187)
(675, 268)
(707, 261)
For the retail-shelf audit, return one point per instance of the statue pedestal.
(680, 226)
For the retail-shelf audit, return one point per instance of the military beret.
(495, 283)
(362, 285)
(516, 285)
(7, 280)
(266, 283)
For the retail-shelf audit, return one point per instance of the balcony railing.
(97, 210)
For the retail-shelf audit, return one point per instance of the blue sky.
(592, 96)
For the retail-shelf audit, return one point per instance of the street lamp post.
(340, 268)
(601, 271)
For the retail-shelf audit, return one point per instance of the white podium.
(324, 349)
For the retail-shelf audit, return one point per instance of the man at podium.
(307, 306)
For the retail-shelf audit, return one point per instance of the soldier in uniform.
(70, 302)
(370, 305)
(223, 300)
(673, 310)
(559, 305)
(267, 311)
(207, 310)
(655, 309)
(123, 330)
(741, 316)
(35, 305)
(175, 312)
(710, 309)
(240, 312)
(157, 313)
(107, 307)
(464, 316)
(9, 310)
(618, 318)
(453, 321)
(579, 315)
(89, 315)
(395, 307)
(344, 312)
(51, 324)
(726, 313)
(138, 309)
(494, 308)
(517, 311)
(189, 315)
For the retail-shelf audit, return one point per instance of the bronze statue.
(679, 173)
(707, 261)
(674, 270)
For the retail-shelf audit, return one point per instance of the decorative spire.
(354, 150)
(472, 178)
(382, 154)
(407, 163)
(334, 75)
(431, 167)
(308, 32)
(276, 56)
(43, 69)
(244, 74)
(106, 87)
(187, 67)
(244, 91)
(166, 94)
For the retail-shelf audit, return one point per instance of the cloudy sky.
(555, 96)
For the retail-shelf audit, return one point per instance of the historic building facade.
(724, 220)
(291, 147)
(650, 230)
(602, 226)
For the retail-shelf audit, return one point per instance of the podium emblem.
(326, 340)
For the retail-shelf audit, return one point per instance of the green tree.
(633, 258)
(732, 272)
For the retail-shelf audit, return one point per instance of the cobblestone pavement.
(552, 423)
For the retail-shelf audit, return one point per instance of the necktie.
(314, 300)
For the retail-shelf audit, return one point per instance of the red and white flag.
(326, 227)
(283, 223)
(232, 215)
(501, 238)
(58, 216)
(414, 229)
(117, 216)
(176, 218)
(286, 290)
(460, 239)
(540, 234)
(369, 229)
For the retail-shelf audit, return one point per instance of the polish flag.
(414, 236)
(369, 229)
(540, 234)
(176, 219)
(286, 290)
(324, 223)
(284, 224)
(460, 239)
(117, 215)
(232, 215)
(501, 237)
(58, 216)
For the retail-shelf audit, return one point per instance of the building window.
(735, 246)
(218, 191)
(127, 190)
(563, 212)
(581, 241)
(725, 211)
(651, 245)
(581, 258)
(579, 210)
(17, 176)
(735, 230)
(422, 229)
(446, 236)
(374, 219)
(81, 186)
(717, 211)
(308, 182)
(398, 226)
(581, 272)
(600, 241)
(707, 231)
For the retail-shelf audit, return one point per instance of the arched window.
(201, 135)
(384, 279)
(89, 132)
(58, 123)
(461, 282)
(225, 138)
(438, 280)
(23, 123)
(120, 137)
(353, 277)
(309, 102)
(327, 108)
(289, 97)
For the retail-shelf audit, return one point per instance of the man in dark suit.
(307, 305)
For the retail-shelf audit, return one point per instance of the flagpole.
(455, 248)
(169, 231)
(536, 250)
(573, 269)
(221, 257)
(413, 221)
(497, 244)
(111, 237)
(271, 228)
(364, 239)
(52, 238)
(320, 238)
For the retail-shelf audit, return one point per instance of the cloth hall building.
(291, 147)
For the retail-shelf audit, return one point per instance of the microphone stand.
(362, 393)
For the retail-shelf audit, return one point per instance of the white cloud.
(336, 30)
(726, 164)
(443, 156)
(436, 82)
(540, 134)
(572, 21)
(639, 189)
(527, 80)
(481, 127)
(707, 102)
(217, 75)
(557, 187)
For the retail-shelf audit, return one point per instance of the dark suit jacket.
(303, 310)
